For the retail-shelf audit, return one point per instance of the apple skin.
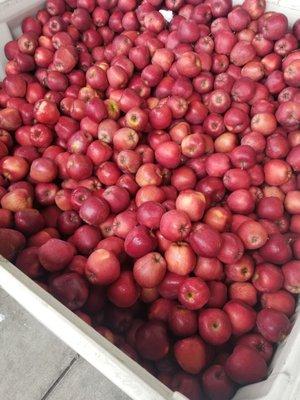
(11, 243)
(152, 340)
(193, 293)
(259, 343)
(245, 365)
(136, 119)
(190, 354)
(188, 385)
(241, 315)
(216, 384)
(214, 326)
(273, 325)
(182, 322)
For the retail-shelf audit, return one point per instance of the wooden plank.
(31, 358)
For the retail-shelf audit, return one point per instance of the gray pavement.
(35, 365)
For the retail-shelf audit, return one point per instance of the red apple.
(190, 353)
(149, 270)
(245, 365)
(241, 315)
(216, 384)
(182, 322)
(214, 326)
(193, 293)
(180, 258)
(102, 267)
(273, 325)
(152, 340)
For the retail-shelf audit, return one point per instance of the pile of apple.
(149, 179)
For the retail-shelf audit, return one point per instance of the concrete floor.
(35, 365)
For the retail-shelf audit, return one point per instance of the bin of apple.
(150, 179)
